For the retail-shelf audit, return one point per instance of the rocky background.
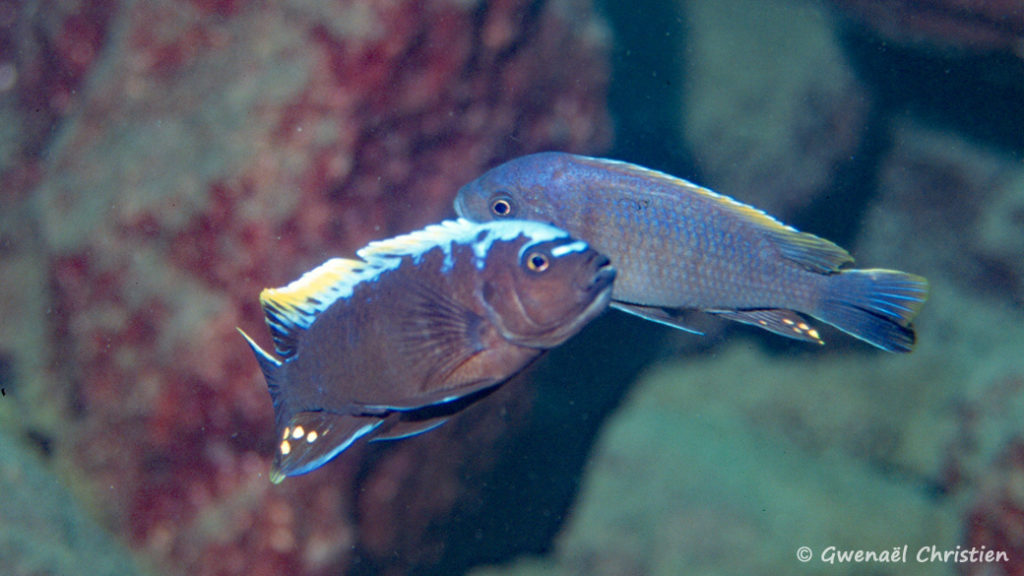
(894, 128)
(162, 161)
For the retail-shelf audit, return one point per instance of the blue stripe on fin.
(664, 316)
(401, 429)
(311, 439)
(875, 305)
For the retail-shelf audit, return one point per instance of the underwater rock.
(950, 208)
(47, 49)
(969, 25)
(43, 530)
(220, 147)
(772, 109)
(729, 463)
(996, 519)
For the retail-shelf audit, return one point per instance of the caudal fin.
(875, 305)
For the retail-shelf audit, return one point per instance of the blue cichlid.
(424, 324)
(679, 246)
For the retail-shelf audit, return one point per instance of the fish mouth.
(604, 275)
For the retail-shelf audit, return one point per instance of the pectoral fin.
(400, 428)
(665, 316)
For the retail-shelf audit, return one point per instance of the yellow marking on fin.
(287, 431)
(311, 437)
(298, 433)
(814, 334)
(319, 283)
(800, 246)
(285, 447)
(787, 322)
(753, 214)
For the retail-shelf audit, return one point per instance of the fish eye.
(537, 261)
(501, 206)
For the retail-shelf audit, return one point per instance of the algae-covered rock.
(772, 107)
(43, 532)
(730, 463)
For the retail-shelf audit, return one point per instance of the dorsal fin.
(293, 308)
(460, 231)
(810, 251)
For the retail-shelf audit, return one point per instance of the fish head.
(540, 293)
(518, 189)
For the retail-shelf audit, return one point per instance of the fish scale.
(678, 246)
(738, 279)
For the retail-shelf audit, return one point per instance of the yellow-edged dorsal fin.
(293, 308)
(813, 252)
(296, 306)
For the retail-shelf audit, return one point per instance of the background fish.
(424, 324)
(679, 246)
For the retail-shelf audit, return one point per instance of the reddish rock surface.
(214, 148)
(969, 25)
(950, 209)
(996, 520)
(46, 51)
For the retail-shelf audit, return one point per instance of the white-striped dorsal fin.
(460, 231)
(808, 250)
(293, 308)
(419, 242)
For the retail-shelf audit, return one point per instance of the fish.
(678, 247)
(394, 343)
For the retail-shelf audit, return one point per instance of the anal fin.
(780, 321)
(664, 316)
(310, 439)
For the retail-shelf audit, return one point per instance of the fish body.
(423, 324)
(678, 246)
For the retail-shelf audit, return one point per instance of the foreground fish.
(392, 345)
(679, 246)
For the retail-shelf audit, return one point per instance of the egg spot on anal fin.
(782, 322)
(310, 439)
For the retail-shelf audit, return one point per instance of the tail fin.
(271, 368)
(875, 305)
